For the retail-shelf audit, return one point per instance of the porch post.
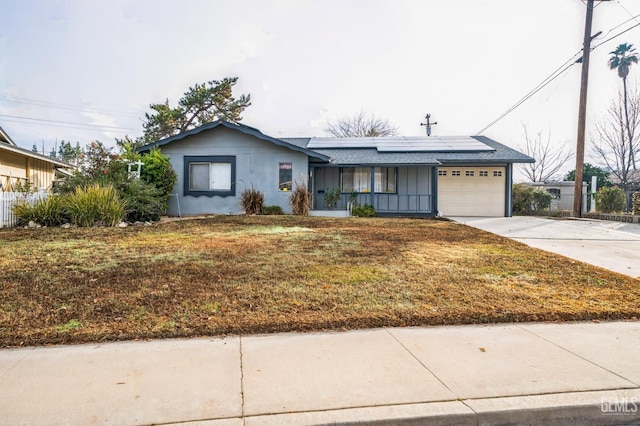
(508, 189)
(373, 186)
(434, 190)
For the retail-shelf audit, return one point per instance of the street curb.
(613, 407)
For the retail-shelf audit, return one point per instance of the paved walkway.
(610, 245)
(572, 373)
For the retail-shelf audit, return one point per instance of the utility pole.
(582, 112)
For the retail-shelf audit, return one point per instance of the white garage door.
(471, 191)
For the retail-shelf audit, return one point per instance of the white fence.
(10, 199)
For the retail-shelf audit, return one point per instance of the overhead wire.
(65, 106)
(555, 74)
(105, 127)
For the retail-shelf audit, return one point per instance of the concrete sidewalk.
(610, 245)
(569, 373)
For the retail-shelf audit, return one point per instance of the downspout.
(509, 190)
(434, 190)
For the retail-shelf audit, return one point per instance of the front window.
(285, 176)
(385, 178)
(209, 176)
(358, 179)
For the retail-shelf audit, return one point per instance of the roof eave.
(235, 126)
(22, 151)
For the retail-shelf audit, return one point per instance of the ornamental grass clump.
(300, 200)
(47, 211)
(95, 205)
(252, 201)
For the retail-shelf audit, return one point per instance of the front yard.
(239, 274)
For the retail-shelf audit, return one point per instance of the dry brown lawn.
(260, 274)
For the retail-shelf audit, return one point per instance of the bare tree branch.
(550, 157)
(612, 143)
(360, 125)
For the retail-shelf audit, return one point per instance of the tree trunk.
(632, 159)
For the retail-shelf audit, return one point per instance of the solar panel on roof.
(404, 144)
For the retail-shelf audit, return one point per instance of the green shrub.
(47, 211)
(526, 199)
(300, 200)
(611, 200)
(251, 201)
(541, 200)
(363, 211)
(331, 197)
(157, 170)
(144, 202)
(522, 198)
(636, 203)
(272, 210)
(94, 205)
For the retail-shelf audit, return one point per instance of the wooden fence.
(10, 199)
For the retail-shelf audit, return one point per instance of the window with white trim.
(483, 173)
(469, 173)
(442, 172)
(497, 173)
(209, 175)
(455, 172)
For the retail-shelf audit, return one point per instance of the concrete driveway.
(610, 245)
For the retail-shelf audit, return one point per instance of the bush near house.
(363, 211)
(157, 170)
(46, 212)
(251, 201)
(94, 205)
(527, 199)
(145, 199)
(636, 203)
(272, 210)
(87, 206)
(300, 200)
(611, 200)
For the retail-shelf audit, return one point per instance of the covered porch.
(391, 190)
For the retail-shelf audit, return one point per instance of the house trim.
(241, 128)
(188, 159)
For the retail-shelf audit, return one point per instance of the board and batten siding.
(19, 169)
(256, 164)
(413, 190)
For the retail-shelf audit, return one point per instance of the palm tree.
(623, 57)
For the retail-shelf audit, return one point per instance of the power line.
(65, 106)
(107, 127)
(556, 74)
(617, 35)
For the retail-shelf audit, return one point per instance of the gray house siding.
(256, 163)
(414, 191)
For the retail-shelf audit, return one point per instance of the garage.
(471, 191)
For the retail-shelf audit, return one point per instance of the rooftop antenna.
(428, 124)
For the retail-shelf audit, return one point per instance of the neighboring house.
(423, 176)
(562, 194)
(20, 166)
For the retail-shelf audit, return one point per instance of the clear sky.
(305, 62)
